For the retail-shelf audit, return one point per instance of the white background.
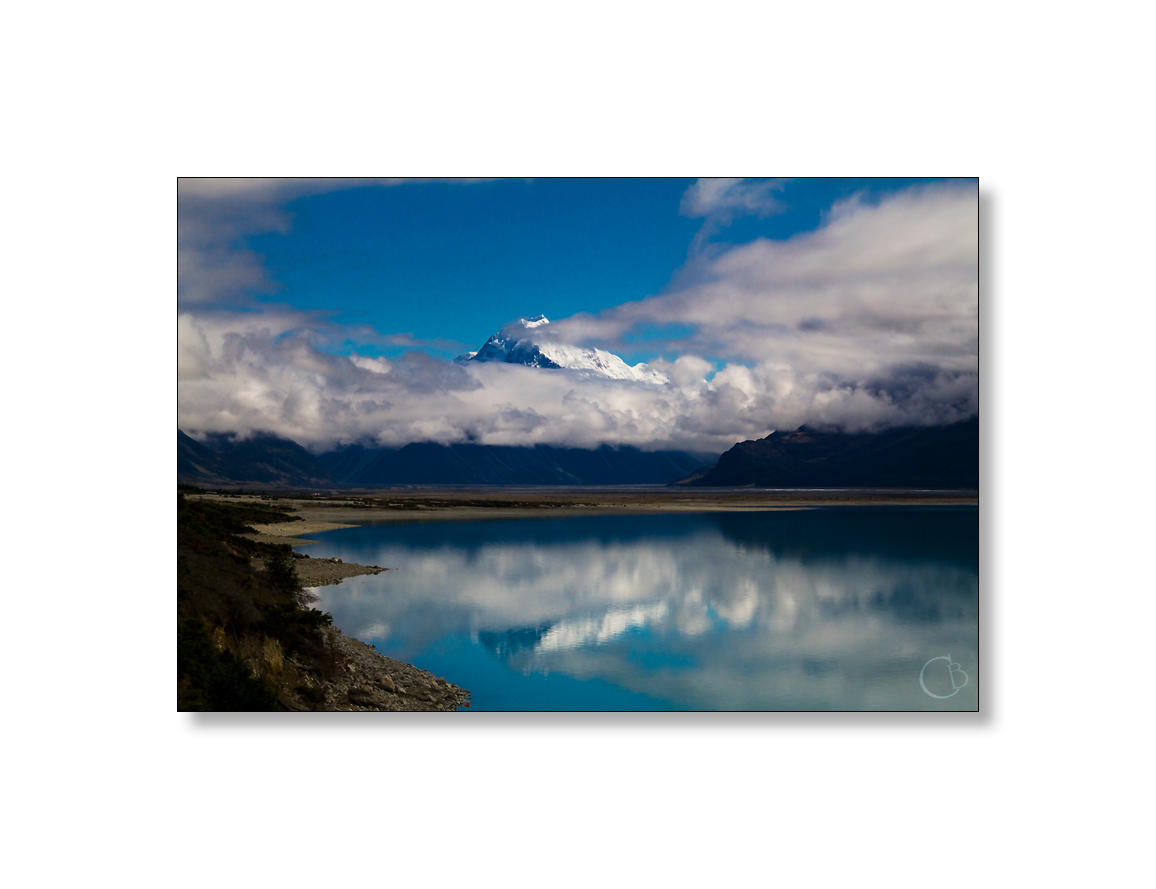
(106, 105)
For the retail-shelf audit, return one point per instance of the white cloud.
(867, 322)
(215, 214)
(267, 375)
(831, 323)
(726, 199)
(686, 370)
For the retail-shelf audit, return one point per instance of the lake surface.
(835, 608)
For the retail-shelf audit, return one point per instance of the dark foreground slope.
(943, 457)
(235, 622)
(246, 642)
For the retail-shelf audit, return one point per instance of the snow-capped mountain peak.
(522, 342)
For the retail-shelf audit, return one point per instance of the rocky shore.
(358, 678)
(349, 675)
(356, 675)
(365, 680)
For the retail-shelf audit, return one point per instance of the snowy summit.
(521, 342)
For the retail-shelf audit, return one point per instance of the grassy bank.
(244, 641)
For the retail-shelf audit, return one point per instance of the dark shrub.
(209, 679)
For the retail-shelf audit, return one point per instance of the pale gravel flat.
(290, 532)
(296, 529)
(322, 572)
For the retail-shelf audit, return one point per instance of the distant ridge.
(908, 457)
(267, 460)
(475, 464)
(938, 457)
(262, 460)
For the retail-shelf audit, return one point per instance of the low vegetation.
(244, 639)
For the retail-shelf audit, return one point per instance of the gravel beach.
(366, 679)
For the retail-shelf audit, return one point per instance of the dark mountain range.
(908, 457)
(427, 463)
(273, 461)
(262, 460)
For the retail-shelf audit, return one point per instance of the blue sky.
(456, 261)
(449, 262)
(327, 310)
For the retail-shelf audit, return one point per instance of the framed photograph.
(578, 444)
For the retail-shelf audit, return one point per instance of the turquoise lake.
(835, 608)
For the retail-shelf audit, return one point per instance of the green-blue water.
(839, 608)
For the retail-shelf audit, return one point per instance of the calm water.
(825, 609)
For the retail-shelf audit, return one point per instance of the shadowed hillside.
(269, 461)
(911, 457)
(475, 464)
(244, 641)
(263, 460)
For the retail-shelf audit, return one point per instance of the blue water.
(838, 608)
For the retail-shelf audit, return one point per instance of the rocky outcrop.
(365, 680)
(354, 676)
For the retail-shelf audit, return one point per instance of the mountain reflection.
(823, 609)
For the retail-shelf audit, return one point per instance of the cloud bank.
(867, 322)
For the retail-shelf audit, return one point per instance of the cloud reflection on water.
(765, 611)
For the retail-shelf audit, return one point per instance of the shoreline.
(333, 510)
(346, 674)
(371, 681)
